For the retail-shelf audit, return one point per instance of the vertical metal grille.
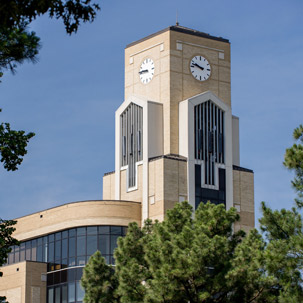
(131, 140)
(209, 138)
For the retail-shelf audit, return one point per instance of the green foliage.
(17, 44)
(13, 145)
(6, 240)
(192, 259)
(99, 281)
(131, 267)
(293, 160)
(72, 12)
(284, 253)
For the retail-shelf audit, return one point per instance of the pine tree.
(293, 160)
(201, 259)
(283, 230)
(131, 267)
(99, 281)
(6, 241)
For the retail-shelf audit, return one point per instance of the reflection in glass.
(91, 245)
(34, 250)
(51, 252)
(64, 294)
(113, 243)
(81, 246)
(64, 248)
(72, 247)
(58, 250)
(57, 294)
(104, 244)
(79, 291)
(81, 231)
(71, 292)
(39, 254)
(50, 295)
(22, 252)
(28, 250)
(17, 254)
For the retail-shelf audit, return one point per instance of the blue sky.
(69, 97)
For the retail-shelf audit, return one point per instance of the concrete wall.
(172, 81)
(24, 282)
(109, 186)
(77, 214)
(167, 185)
(244, 199)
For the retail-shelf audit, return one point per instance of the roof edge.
(180, 29)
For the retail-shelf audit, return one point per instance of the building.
(176, 139)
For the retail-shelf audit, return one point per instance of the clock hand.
(199, 66)
(143, 71)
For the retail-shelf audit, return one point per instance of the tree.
(99, 281)
(185, 259)
(17, 43)
(293, 160)
(6, 241)
(13, 145)
(131, 266)
(283, 230)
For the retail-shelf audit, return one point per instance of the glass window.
(28, 250)
(79, 273)
(45, 250)
(57, 294)
(72, 232)
(92, 230)
(51, 252)
(91, 245)
(17, 254)
(71, 261)
(81, 261)
(81, 231)
(63, 276)
(64, 234)
(107, 259)
(34, 250)
(104, 244)
(51, 238)
(124, 230)
(115, 230)
(22, 252)
(64, 293)
(113, 243)
(50, 279)
(58, 236)
(71, 274)
(79, 291)
(50, 295)
(64, 248)
(40, 241)
(81, 246)
(11, 258)
(39, 253)
(71, 292)
(57, 250)
(64, 263)
(104, 230)
(71, 247)
(57, 279)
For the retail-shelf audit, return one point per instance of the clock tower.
(176, 137)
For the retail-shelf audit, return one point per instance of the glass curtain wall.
(66, 253)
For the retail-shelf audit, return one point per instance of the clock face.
(200, 68)
(147, 70)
